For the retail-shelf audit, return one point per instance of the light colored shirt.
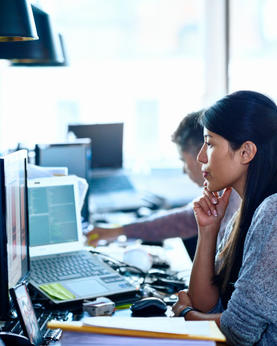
(251, 314)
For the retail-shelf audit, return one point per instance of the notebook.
(60, 267)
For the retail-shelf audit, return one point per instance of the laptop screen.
(54, 218)
(106, 143)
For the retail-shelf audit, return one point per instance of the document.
(153, 327)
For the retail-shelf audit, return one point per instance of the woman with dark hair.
(237, 286)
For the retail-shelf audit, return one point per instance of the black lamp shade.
(46, 49)
(16, 21)
(40, 63)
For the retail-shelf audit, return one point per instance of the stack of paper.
(151, 327)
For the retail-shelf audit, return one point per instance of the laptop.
(110, 187)
(60, 267)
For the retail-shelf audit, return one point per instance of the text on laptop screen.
(52, 215)
(106, 143)
(14, 263)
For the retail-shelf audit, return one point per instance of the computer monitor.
(106, 143)
(76, 156)
(14, 249)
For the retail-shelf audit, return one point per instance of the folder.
(150, 327)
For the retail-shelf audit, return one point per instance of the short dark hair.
(189, 133)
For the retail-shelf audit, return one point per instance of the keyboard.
(43, 317)
(110, 184)
(65, 267)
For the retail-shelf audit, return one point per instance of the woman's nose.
(202, 157)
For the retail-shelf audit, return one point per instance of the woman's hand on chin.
(210, 209)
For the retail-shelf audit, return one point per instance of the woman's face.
(221, 165)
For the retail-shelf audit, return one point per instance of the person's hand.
(210, 208)
(182, 303)
(98, 233)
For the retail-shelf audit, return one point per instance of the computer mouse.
(146, 307)
(12, 339)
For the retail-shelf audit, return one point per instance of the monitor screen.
(75, 156)
(14, 253)
(106, 143)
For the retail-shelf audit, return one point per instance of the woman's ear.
(247, 151)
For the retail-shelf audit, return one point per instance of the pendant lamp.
(16, 21)
(46, 49)
(40, 63)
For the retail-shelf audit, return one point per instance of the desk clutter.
(42, 225)
(156, 287)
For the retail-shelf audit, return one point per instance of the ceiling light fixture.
(47, 49)
(16, 21)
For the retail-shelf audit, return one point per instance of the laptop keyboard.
(49, 336)
(65, 267)
(110, 184)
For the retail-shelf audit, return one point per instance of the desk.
(174, 249)
(73, 339)
(179, 261)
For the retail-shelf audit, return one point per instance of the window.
(142, 62)
(253, 51)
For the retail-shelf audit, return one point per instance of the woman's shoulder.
(264, 218)
(271, 198)
(268, 206)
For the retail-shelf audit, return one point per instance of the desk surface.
(174, 250)
(73, 339)
(180, 261)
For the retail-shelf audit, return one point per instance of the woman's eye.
(208, 144)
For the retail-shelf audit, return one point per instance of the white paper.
(174, 325)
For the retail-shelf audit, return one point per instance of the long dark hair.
(239, 117)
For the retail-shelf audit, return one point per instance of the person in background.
(237, 286)
(179, 222)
